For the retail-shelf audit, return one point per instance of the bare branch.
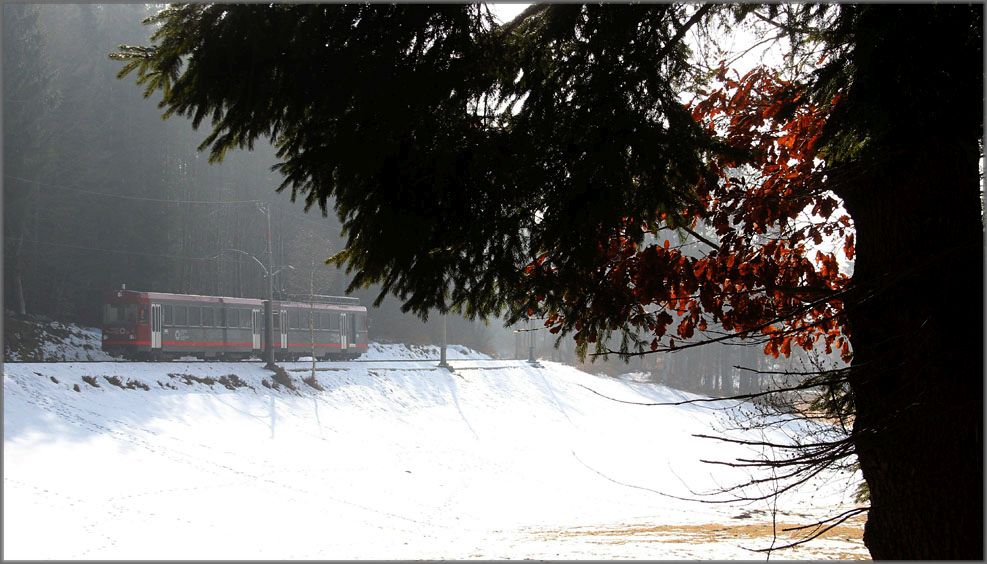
(742, 334)
(700, 237)
(818, 533)
(800, 373)
(775, 445)
(803, 386)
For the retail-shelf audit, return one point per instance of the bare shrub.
(115, 380)
(129, 385)
(313, 382)
(134, 384)
(188, 379)
(232, 382)
(281, 377)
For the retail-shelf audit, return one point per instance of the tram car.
(161, 326)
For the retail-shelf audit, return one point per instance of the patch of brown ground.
(850, 531)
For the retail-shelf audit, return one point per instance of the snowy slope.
(395, 460)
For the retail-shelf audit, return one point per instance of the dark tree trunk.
(913, 112)
(19, 280)
(917, 335)
(726, 371)
(21, 304)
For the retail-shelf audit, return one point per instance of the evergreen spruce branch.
(696, 17)
(522, 18)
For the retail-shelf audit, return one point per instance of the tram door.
(343, 331)
(257, 322)
(351, 329)
(284, 329)
(155, 326)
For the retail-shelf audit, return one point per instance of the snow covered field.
(393, 460)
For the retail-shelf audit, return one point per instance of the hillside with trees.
(99, 191)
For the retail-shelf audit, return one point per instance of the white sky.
(506, 12)
(736, 40)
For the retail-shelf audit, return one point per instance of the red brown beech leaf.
(763, 273)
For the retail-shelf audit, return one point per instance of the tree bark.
(913, 111)
(726, 371)
(917, 335)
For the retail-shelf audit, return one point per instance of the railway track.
(318, 363)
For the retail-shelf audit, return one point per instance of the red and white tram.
(160, 326)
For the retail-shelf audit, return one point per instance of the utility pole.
(531, 343)
(442, 352)
(311, 314)
(269, 302)
(269, 305)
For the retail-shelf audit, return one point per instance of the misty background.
(99, 191)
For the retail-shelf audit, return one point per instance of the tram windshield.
(120, 313)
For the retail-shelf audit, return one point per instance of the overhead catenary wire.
(141, 253)
(159, 201)
(127, 252)
(156, 200)
(142, 199)
(127, 197)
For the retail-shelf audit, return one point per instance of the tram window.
(303, 319)
(195, 316)
(316, 319)
(232, 319)
(245, 318)
(169, 314)
(277, 320)
(325, 320)
(119, 313)
(293, 319)
(334, 322)
(207, 317)
(181, 315)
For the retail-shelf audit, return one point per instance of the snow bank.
(391, 460)
(34, 340)
(382, 351)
